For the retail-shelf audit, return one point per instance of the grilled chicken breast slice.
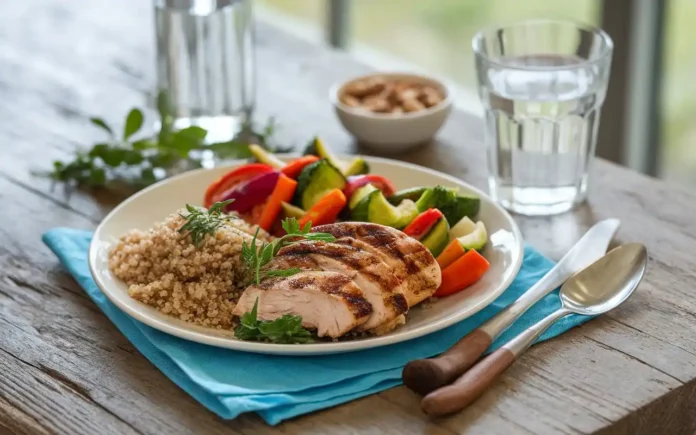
(327, 301)
(380, 287)
(408, 259)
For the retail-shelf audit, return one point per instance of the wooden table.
(64, 368)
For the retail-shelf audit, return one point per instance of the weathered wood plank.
(53, 333)
(627, 372)
(40, 397)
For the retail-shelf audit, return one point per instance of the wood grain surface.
(66, 369)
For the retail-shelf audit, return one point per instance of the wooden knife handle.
(470, 386)
(426, 375)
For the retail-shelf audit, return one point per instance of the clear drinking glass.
(542, 84)
(206, 63)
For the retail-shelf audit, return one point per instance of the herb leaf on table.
(141, 161)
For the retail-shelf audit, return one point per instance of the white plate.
(142, 210)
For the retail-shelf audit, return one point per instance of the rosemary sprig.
(256, 258)
(201, 223)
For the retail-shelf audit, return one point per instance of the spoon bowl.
(606, 283)
(600, 287)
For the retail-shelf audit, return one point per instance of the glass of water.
(542, 84)
(206, 63)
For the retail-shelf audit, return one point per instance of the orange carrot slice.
(326, 210)
(451, 253)
(283, 192)
(465, 271)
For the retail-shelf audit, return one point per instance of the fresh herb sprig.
(283, 330)
(257, 257)
(201, 223)
(140, 160)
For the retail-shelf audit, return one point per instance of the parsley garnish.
(201, 222)
(257, 257)
(284, 330)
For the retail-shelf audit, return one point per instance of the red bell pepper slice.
(219, 187)
(293, 168)
(423, 223)
(357, 181)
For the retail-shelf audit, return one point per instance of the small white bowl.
(393, 133)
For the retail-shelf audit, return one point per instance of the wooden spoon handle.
(426, 375)
(470, 386)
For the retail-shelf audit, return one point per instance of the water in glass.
(542, 115)
(205, 62)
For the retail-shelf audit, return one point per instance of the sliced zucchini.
(263, 156)
(460, 207)
(290, 211)
(317, 147)
(375, 208)
(357, 167)
(315, 181)
(438, 237)
(360, 194)
(413, 193)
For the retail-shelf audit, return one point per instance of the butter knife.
(426, 375)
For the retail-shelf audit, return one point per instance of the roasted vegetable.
(266, 157)
(453, 206)
(375, 208)
(466, 235)
(380, 182)
(357, 167)
(326, 210)
(250, 193)
(317, 147)
(464, 272)
(437, 239)
(295, 167)
(290, 211)
(423, 223)
(315, 180)
(412, 193)
(355, 197)
(283, 191)
(217, 189)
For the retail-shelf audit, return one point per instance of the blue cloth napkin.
(280, 387)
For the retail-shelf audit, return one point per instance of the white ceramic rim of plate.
(312, 348)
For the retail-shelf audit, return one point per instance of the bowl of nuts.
(392, 112)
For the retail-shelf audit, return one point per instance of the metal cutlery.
(426, 375)
(601, 287)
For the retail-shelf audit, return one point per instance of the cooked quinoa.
(162, 268)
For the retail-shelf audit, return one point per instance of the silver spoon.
(426, 375)
(598, 288)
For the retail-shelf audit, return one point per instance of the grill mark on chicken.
(410, 260)
(378, 237)
(358, 260)
(334, 283)
(399, 301)
(287, 262)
